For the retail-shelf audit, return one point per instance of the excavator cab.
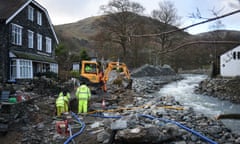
(90, 70)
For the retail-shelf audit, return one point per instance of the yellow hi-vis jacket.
(60, 101)
(83, 93)
(66, 97)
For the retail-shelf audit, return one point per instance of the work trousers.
(66, 107)
(60, 110)
(82, 106)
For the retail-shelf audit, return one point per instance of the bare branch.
(197, 15)
(187, 27)
(198, 42)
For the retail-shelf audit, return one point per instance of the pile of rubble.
(151, 70)
(152, 119)
(149, 78)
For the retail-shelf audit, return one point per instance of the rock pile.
(150, 70)
(134, 127)
(152, 84)
(222, 88)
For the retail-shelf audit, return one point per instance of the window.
(25, 67)
(90, 68)
(39, 42)
(39, 18)
(21, 69)
(42, 67)
(48, 45)
(76, 67)
(234, 55)
(13, 70)
(54, 67)
(30, 13)
(238, 55)
(30, 39)
(16, 34)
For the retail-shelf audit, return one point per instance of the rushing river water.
(183, 91)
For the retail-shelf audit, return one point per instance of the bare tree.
(120, 21)
(166, 14)
(187, 27)
(215, 36)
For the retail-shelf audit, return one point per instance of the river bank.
(221, 88)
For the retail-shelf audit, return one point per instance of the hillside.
(82, 29)
(80, 35)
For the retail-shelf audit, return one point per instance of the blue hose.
(103, 116)
(181, 126)
(79, 132)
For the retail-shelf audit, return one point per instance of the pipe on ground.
(79, 132)
(183, 127)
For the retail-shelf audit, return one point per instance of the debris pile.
(134, 124)
(150, 70)
(149, 78)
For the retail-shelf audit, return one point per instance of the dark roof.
(34, 57)
(9, 7)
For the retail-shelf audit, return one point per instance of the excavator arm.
(120, 67)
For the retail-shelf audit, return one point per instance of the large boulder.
(117, 80)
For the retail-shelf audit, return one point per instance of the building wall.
(4, 60)
(230, 63)
(21, 19)
(44, 29)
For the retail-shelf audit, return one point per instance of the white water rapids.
(183, 91)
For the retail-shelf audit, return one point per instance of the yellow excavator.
(94, 75)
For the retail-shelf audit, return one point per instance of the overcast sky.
(68, 11)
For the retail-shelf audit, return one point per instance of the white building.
(230, 63)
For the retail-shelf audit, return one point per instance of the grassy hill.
(82, 29)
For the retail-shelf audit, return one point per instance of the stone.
(119, 124)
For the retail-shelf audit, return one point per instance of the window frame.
(21, 69)
(30, 13)
(48, 45)
(234, 55)
(16, 34)
(39, 42)
(30, 39)
(54, 68)
(39, 18)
